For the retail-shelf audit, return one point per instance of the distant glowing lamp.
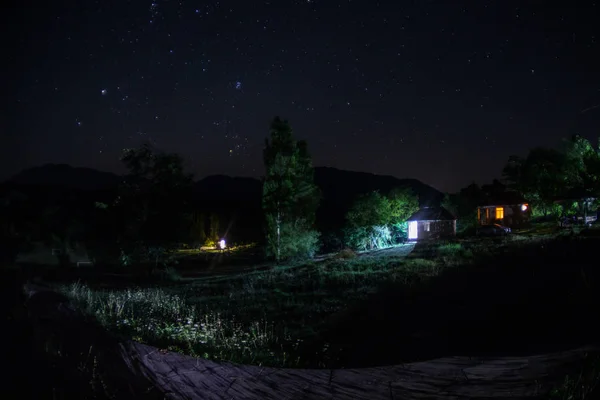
(222, 244)
(523, 207)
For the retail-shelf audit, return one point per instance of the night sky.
(442, 91)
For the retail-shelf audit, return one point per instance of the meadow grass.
(281, 316)
(268, 317)
(583, 384)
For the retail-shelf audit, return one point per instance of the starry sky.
(442, 91)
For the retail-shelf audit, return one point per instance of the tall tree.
(547, 174)
(540, 177)
(464, 204)
(403, 204)
(582, 173)
(197, 229)
(290, 196)
(214, 228)
(154, 202)
(582, 165)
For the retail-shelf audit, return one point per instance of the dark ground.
(537, 299)
(28, 373)
(57, 362)
(541, 298)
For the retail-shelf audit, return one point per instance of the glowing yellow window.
(499, 212)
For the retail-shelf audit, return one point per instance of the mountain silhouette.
(242, 196)
(336, 185)
(66, 176)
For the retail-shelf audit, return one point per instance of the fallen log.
(146, 370)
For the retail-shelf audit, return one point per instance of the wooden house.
(431, 223)
(508, 209)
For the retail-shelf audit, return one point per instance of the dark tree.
(154, 205)
(546, 175)
(290, 196)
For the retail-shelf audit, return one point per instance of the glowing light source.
(222, 244)
(523, 207)
(412, 230)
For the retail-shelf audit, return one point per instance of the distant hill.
(339, 188)
(340, 185)
(66, 176)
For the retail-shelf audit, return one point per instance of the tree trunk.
(278, 236)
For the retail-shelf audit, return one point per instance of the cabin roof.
(432, 214)
(504, 199)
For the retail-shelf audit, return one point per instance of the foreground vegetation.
(262, 317)
(582, 384)
(371, 309)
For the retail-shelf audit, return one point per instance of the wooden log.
(186, 377)
(176, 376)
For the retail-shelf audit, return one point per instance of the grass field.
(473, 296)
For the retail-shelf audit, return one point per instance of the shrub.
(154, 256)
(450, 249)
(400, 232)
(346, 254)
(369, 238)
(210, 243)
(584, 384)
(295, 242)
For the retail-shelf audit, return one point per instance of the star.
(104, 92)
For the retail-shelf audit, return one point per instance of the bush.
(210, 243)
(295, 242)
(450, 249)
(399, 232)
(346, 254)
(369, 238)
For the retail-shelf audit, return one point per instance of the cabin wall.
(435, 229)
(511, 215)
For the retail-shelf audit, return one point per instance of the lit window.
(499, 213)
(426, 225)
